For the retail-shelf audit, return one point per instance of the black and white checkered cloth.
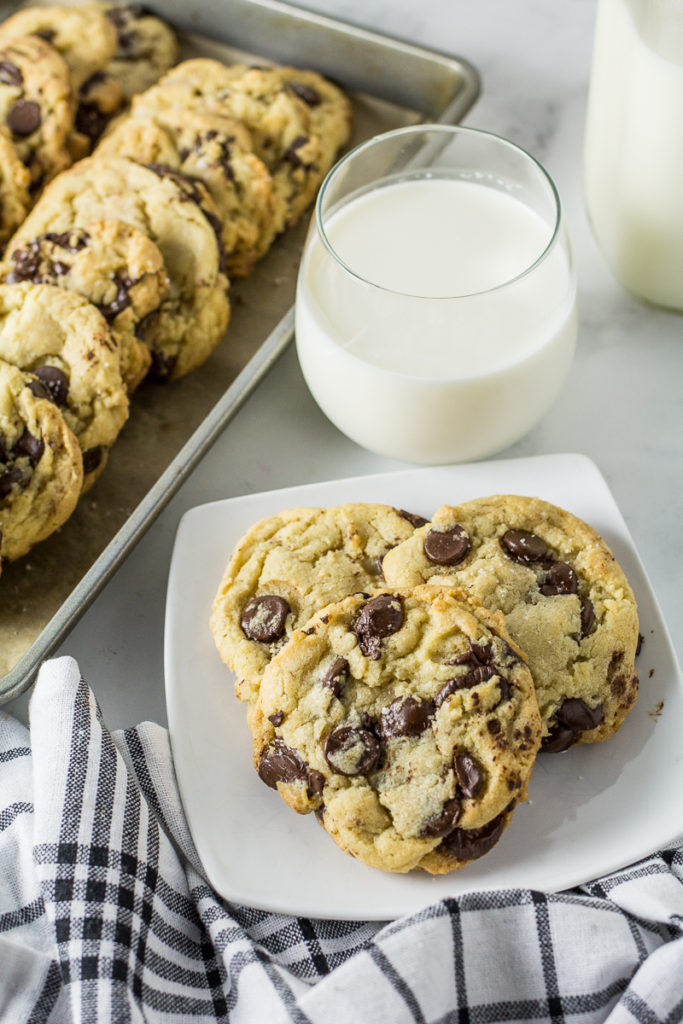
(105, 914)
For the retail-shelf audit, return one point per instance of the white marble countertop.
(622, 405)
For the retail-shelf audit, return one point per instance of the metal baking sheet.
(391, 83)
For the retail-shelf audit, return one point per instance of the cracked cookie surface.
(566, 601)
(41, 468)
(407, 720)
(288, 566)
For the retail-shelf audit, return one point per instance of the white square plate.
(594, 809)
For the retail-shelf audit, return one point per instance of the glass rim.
(446, 130)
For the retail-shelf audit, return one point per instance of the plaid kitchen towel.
(105, 914)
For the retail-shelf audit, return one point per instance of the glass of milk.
(436, 299)
(633, 150)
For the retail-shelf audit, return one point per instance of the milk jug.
(633, 152)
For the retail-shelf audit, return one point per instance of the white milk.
(452, 351)
(634, 145)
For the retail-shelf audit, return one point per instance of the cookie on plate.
(566, 601)
(407, 720)
(217, 151)
(113, 265)
(279, 122)
(178, 215)
(288, 566)
(14, 188)
(65, 341)
(146, 47)
(41, 468)
(36, 106)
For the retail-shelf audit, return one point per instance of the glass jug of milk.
(633, 153)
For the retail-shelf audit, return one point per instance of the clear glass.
(633, 150)
(436, 299)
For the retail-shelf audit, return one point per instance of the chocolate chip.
(336, 676)
(56, 382)
(465, 682)
(561, 579)
(405, 716)
(72, 241)
(525, 547)
(121, 300)
(477, 655)
(572, 718)
(445, 822)
(4, 454)
(31, 446)
(264, 618)
(279, 763)
(469, 774)
(277, 718)
(447, 547)
(291, 155)
(10, 74)
(37, 389)
(587, 616)
(639, 644)
(505, 690)
(92, 457)
(307, 93)
(351, 750)
(413, 519)
(90, 121)
(24, 117)
(162, 366)
(471, 843)
(11, 477)
(380, 617)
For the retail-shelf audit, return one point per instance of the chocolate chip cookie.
(566, 601)
(36, 106)
(279, 122)
(41, 469)
(65, 341)
(289, 565)
(407, 720)
(14, 188)
(113, 265)
(178, 215)
(146, 47)
(217, 151)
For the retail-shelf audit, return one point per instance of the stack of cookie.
(116, 267)
(401, 676)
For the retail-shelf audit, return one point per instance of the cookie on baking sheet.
(407, 720)
(567, 603)
(178, 215)
(14, 187)
(36, 106)
(113, 265)
(217, 151)
(279, 122)
(65, 341)
(288, 566)
(41, 468)
(146, 47)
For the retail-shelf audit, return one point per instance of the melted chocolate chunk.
(10, 74)
(525, 547)
(336, 676)
(351, 750)
(477, 656)
(561, 579)
(505, 690)
(405, 716)
(37, 389)
(471, 843)
(24, 117)
(4, 454)
(571, 719)
(31, 446)
(469, 774)
(465, 682)
(380, 617)
(277, 718)
(447, 547)
(56, 382)
(307, 93)
(279, 763)
(72, 241)
(162, 366)
(264, 618)
(413, 519)
(587, 616)
(11, 477)
(92, 457)
(121, 300)
(91, 121)
(445, 822)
